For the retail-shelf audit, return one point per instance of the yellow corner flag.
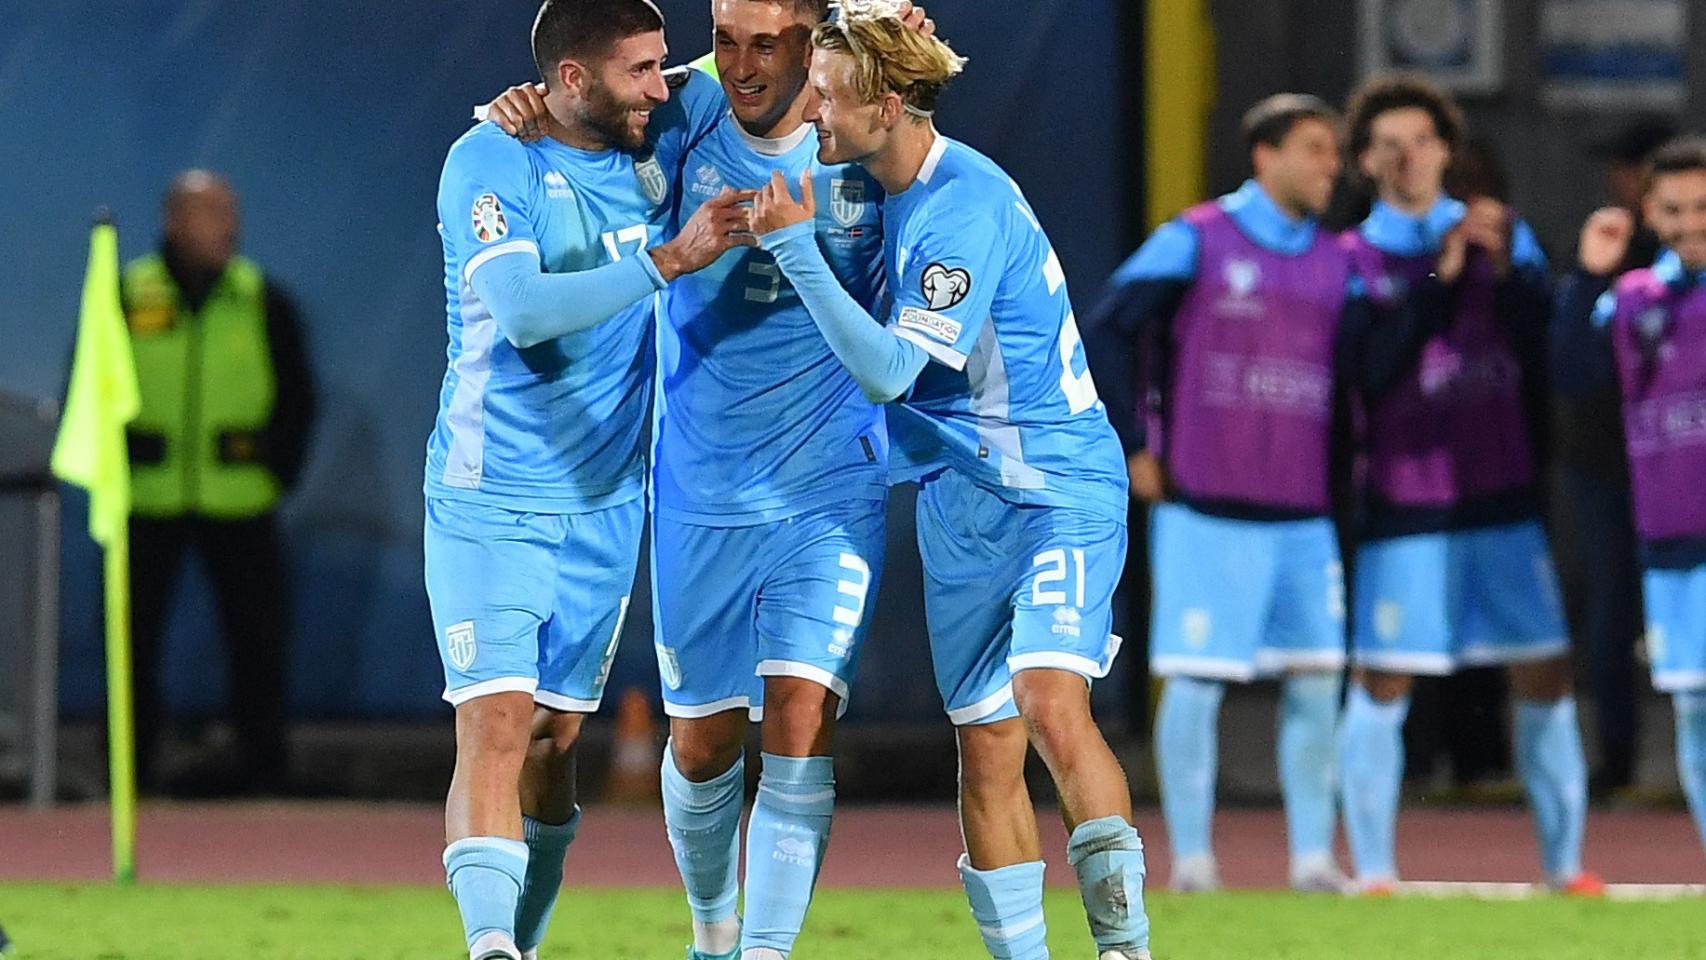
(91, 453)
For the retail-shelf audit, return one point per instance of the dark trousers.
(1599, 565)
(246, 566)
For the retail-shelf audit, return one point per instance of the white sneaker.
(494, 946)
(1199, 874)
(1319, 875)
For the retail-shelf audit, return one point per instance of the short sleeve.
(486, 200)
(1170, 253)
(696, 105)
(951, 267)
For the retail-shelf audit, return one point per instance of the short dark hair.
(1271, 120)
(1682, 155)
(1403, 92)
(587, 29)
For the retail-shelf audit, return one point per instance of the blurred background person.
(1596, 546)
(1452, 563)
(1647, 336)
(227, 403)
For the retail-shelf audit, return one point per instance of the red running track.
(874, 846)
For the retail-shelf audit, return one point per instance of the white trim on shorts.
(1491, 656)
(1207, 668)
(978, 712)
(1411, 664)
(804, 671)
(697, 711)
(486, 688)
(1679, 681)
(1271, 660)
(559, 702)
(1055, 660)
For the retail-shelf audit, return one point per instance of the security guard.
(226, 405)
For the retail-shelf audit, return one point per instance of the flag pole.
(121, 731)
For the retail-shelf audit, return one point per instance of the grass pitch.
(93, 922)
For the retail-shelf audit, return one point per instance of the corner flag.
(90, 452)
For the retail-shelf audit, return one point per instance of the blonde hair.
(890, 57)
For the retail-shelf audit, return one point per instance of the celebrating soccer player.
(1452, 565)
(1648, 334)
(534, 471)
(1021, 515)
(1237, 307)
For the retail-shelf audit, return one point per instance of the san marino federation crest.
(459, 643)
(652, 179)
(847, 201)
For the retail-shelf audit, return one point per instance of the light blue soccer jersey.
(758, 421)
(1009, 400)
(553, 428)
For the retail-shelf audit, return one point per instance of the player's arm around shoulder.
(486, 196)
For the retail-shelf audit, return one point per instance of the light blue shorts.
(1010, 588)
(1430, 603)
(1676, 627)
(733, 605)
(530, 602)
(1241, 599)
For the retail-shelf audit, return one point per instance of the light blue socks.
(1690, 709)
(485, 876)
(547, 844)
(1309, 711)
(1187, 758)
(1549, 759)
(784, 848)
(1007, 904)
(703, 822)
(1371, 771)
(1108, 858)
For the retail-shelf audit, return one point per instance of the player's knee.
(799, 716)
(1055, 706)
(704, 750)
(494, 727)
(555, 733)
(1386, 687)
(992, 759)
(1545, 681)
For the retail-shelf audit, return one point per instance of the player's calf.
(704, 788)
(550, 819)
(485, 861)
(1551, 763)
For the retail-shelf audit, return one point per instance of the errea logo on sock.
(460, 644)
(794, 851)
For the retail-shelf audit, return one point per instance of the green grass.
(328, 923)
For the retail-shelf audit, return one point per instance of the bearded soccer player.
(1452, 564)
(1242, 303)
(1646, 332)
(1021, 514)
(534, 471)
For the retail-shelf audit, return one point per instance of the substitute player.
(534, 469)
(1021, 516)
(1648, 334)
(1452, 565)
(1242, 298)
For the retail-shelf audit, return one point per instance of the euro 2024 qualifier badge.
(489, 222)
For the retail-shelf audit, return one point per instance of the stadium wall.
(332, 120)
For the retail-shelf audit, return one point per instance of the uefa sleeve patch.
(933, 325)
(489, 222)
(943, 286)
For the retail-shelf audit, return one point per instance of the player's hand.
(775, 207)
(1605, 240)
(1453, 254)
(1488, 225)
(521, 112)
(718, 226)
(913, 15)
(1148, 481)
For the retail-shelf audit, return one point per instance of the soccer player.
(1243, 299)
(1648, 334)
(1021, 514)
(1452, 565)
(534, 469)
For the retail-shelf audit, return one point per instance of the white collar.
(933, 158)
(772, 146)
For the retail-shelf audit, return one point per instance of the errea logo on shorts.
(460, 645)
(1066, 620)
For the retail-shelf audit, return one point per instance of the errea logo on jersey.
(489, 222)
(557, 186)
(707, 182)
(934, 325)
